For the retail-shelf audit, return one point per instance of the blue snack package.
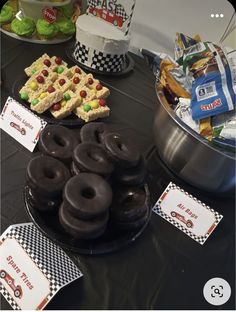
(212, 87)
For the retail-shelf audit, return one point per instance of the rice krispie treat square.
(62, 83)
(92, 110)
(42, 61)
(45, 101)
(64, 108)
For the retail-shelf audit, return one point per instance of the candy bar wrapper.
(183, 42)
(183, 111)
(174, 79)
(212, 87)
(206, 129)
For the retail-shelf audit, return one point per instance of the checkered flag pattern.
(8, 297)
(107, 62)
(120, 11)
(92, 3)
(157, 209)
(81, 53)
(53, 262)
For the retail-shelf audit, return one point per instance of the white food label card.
(32, 268)
(187, 213)
(21, 123)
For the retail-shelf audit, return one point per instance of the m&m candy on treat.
(47, 62)
(87, 107)
(76, 80)
(94, 104)
(90, 81)
(58, 60)
(67, 97)
(60, 70)
(35, 102)
(77, 70)
(51, 89)
(62, 82)
(34, 85)
(102, 102)
(24, 96)
(45, 72)
(83, 93)
(40, 79)
(98, 87)
(56, 106)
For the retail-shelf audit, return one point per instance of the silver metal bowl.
(190, 156)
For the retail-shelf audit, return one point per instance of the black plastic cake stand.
(112, 239)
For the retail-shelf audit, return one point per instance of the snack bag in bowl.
(212, 86)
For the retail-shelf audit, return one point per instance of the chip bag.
(212, 86)
(174, 79)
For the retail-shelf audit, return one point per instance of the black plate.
(70, 121)
(128, 65)
(111, 240)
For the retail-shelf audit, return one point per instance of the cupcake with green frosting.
(23, 27)
(45, 29)
(66, 27)
(66, 10)
(6, 14)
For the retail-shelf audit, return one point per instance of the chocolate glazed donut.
(121, 151)
(87, 195)
(129, 204)
(46, 176)
(131, 176)
(58, 142)
(43, 203)
(93, 132)
(81, 229)
(91, 157)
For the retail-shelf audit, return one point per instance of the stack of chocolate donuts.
(92, 177)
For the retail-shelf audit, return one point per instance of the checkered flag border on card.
(42, 122)
(57, 267)
(8, 297)
(157, 209)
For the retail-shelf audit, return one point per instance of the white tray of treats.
(34, 40)
(61, 94)
(36, 21)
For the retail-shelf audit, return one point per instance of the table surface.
(163, 268)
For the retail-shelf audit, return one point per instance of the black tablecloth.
(163, 268)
